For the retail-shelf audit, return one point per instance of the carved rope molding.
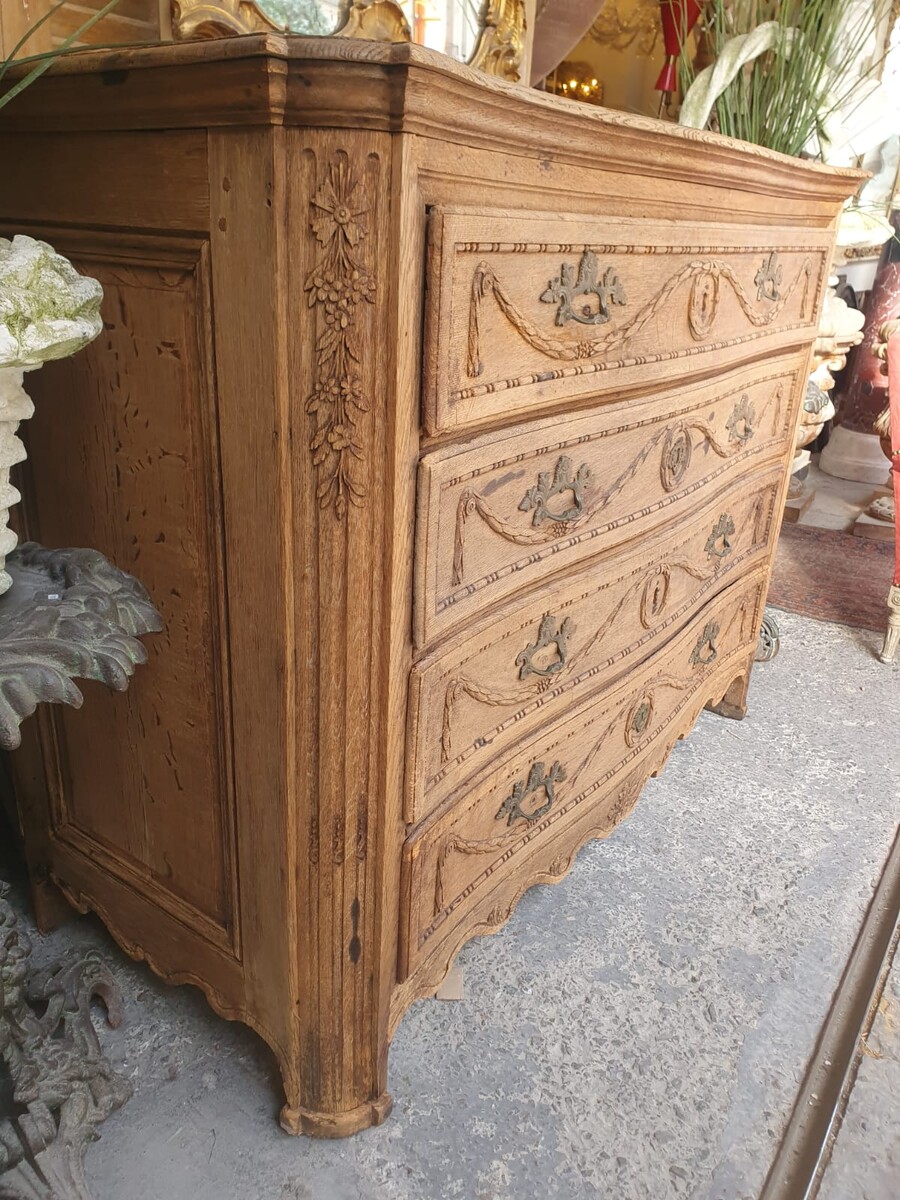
(337, 286)
(485, 282)
(519, 835)
(465, 686)
(677, 450)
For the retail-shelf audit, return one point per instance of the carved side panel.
(525, 310)
(123, 457)
(499, 512)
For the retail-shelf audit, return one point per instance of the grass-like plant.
(784, 97)
(41, 62)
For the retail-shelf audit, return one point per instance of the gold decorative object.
(376, 21)
(641, 26)
(219, 18)
(499, 50)
(502, 42)
(576, 81)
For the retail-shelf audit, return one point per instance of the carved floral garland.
(337, 284)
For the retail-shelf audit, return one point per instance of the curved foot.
(336, 1125)
(734, 703)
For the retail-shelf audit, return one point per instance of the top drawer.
(526, 311)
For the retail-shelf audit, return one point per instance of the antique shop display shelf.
(448, 425)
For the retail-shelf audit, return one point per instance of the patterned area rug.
(832, 576)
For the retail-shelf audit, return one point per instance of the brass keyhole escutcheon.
(538, 780)
(550, 633)
(676, 457)
(655, 596)
(638, 720)
(703, 305)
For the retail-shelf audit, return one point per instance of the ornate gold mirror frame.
(499, 50)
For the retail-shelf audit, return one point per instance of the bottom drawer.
(465, 867)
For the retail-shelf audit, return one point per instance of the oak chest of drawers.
(448, 425)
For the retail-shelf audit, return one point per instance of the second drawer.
(500, 513)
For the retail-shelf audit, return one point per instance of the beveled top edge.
(409, 59)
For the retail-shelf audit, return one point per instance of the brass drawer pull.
(585, 297)
(717, 544)
(512, 809)
(539, 496)
(705, 652)
(548, 635)
(740, 424)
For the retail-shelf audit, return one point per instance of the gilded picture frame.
(499, 50)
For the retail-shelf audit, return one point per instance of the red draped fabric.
(893, 359)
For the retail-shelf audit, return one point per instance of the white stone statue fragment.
(47, 310)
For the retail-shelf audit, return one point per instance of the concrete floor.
(638, 1031)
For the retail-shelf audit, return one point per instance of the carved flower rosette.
(337, 285)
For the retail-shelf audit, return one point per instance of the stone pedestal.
(852, 454)
(854, 451)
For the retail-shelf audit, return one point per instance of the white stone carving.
(47, 311)
(840, 329)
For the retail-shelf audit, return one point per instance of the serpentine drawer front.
(498, 513)
(527, 311)
(449, 424)
(466, 866)
(569, 637)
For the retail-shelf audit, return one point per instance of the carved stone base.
(62, 1086)
(853, 455)
(796, 506)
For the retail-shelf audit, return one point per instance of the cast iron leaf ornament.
(63, 1086)
(70, 614)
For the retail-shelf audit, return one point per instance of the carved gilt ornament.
(499, 50)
